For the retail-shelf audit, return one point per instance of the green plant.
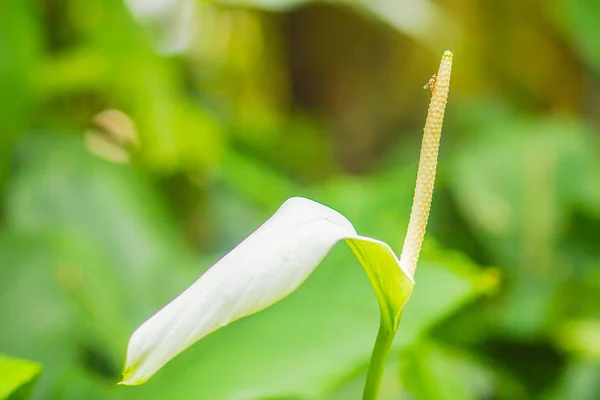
(280, 255)
(17, 377)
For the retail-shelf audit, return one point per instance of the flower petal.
(263, 269)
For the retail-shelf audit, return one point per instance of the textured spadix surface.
(263, 269)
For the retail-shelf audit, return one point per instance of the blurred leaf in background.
(17, 377)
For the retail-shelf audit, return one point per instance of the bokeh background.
(142, 139)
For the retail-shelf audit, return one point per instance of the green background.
(225, 109)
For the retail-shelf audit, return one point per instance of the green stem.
(383, 344)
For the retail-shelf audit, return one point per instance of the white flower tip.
(136, 370)
(141, 361)
(131, 375)
(130, 379)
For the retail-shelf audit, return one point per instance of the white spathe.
(263, 269)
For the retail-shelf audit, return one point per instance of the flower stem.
(440, 87)
(383, 344)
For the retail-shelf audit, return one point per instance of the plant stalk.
(440, 86)
(383, 344)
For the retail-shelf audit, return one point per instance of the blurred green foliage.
(141, 140)
(17, 378)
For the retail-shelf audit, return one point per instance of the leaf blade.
(16, 374)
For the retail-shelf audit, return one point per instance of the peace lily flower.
(281, 254)
(263, 269)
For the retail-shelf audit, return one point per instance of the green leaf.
(17, 377)
(432, 372)
(107, 208)
(581, 381)
(515, 180)
(79, 240)
(20, 42)
(580, 337)
(578, 20)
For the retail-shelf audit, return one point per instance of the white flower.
(263, 269)
(274, 260)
